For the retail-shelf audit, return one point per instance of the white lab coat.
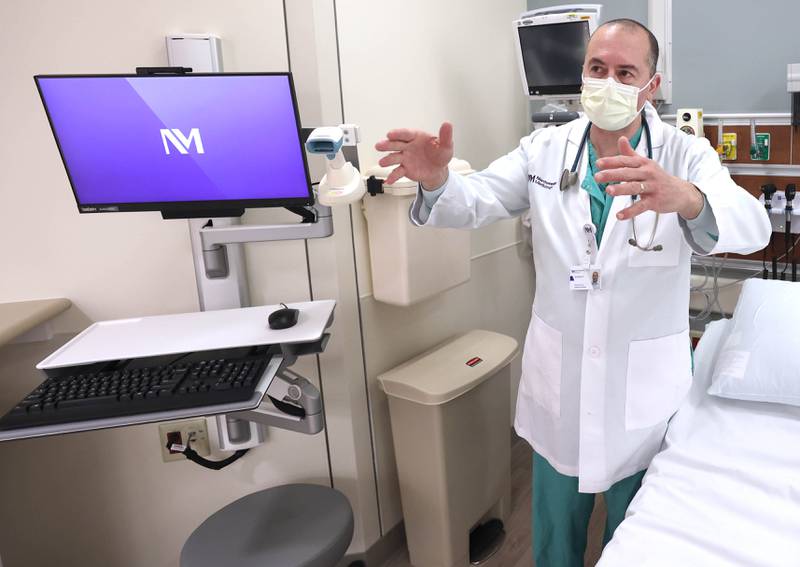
(602, 371)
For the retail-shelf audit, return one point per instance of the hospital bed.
(725, 490)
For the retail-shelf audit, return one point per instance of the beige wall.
(109, 265)
(416, 64)
(105, 498)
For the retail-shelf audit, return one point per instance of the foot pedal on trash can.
(485, 540)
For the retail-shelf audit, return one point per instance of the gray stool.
(296, 525)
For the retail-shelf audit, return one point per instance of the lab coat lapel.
(580, 212)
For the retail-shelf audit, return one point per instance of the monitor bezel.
(184, 209)
(551, 91)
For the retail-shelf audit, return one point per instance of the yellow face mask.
(610, 105)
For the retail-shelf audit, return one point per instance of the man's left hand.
(658, 191)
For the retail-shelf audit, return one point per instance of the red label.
(474, 361)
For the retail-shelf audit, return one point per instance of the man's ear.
(651, 90)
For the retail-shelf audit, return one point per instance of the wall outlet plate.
(181, 432)
(760, 152)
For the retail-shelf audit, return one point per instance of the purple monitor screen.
(140, 141)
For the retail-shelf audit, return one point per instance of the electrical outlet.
(760, 152)
(180, 432)
(728, 148)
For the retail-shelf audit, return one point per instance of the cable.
(789, 193)
(754, 274)
(193, 456)
(787, 237)
(712, 299)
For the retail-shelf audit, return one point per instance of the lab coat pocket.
(668, 236)
(542, 365)
(659, 377)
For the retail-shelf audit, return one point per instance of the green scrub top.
(599, 200)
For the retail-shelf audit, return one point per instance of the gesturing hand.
(419, 156)
(658, 190)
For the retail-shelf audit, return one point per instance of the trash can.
(450, 411)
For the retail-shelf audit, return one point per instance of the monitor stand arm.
(214, 238)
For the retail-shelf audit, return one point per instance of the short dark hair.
(633, 25)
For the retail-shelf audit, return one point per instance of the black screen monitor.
(185, 145)
(552, 57)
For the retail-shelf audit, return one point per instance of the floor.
(516, 551)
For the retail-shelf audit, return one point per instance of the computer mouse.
(283, 318)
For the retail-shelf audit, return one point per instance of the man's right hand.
(419, 156)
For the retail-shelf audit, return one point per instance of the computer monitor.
(186, 145)
(551, 45)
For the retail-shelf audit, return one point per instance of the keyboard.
(138, 386)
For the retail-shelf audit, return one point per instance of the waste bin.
(450, 411)
(410, 264)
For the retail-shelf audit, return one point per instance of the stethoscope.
(569, 177)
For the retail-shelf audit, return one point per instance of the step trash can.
(450, 412)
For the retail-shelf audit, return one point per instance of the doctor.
(607, 355)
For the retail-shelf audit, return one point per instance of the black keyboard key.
(19, 410)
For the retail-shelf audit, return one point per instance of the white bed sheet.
(725, 491)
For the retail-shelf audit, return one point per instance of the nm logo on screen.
(176, 138)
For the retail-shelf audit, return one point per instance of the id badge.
(585, 278)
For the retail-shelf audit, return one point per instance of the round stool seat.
(296, 525)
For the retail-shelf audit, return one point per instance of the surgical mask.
(610, 105)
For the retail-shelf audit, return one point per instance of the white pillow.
(760, 360)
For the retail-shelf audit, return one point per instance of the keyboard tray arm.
(292, 401)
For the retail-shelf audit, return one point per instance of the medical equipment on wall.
(569, 179)
(726, 143)
(342, 183)
(780, 207)
(690, 120)
(408, 263)
(793, 86)
(200, 52)
(551, 44)
(659, 22)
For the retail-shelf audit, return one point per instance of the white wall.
(415, 64)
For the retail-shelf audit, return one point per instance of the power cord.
(193, 456)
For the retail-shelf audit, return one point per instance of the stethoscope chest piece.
(568, 179)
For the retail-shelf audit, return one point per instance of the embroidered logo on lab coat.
(536, 180)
